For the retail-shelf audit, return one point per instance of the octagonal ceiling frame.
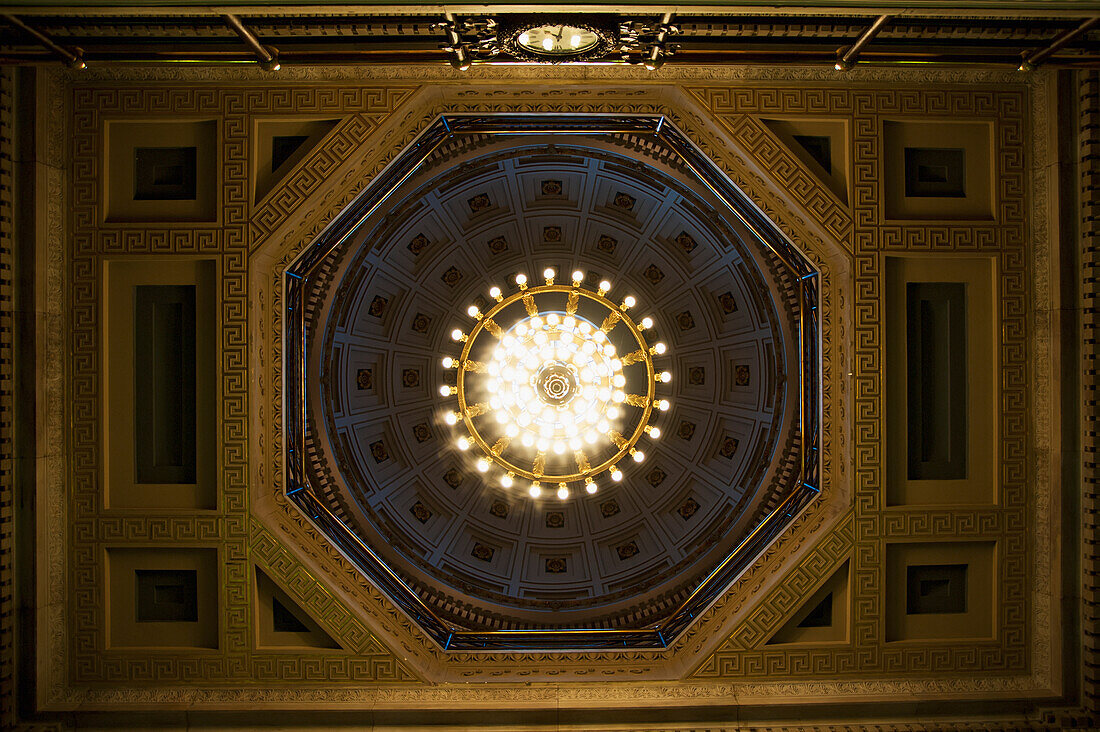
(802, 487)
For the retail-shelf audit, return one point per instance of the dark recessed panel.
(936, 385)
(935, 172)
(283, 146)
(164, 173)
(821, 616)
(935, 588)
(164, 383)
(285, 621)
(166, 595)
(820, 149)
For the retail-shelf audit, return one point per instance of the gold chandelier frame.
(616, 314)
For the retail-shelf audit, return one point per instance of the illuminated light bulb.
(495, 293)
(619, 380)
(578, 277)
(463, 443)
(521, 279)
(604, 286)
(447, 390)
(638, 455)
(457, 335)
(548, 273)
(450, 418)
(536, 322)
(524, 38)
(563, 492)
(590, 486)
(472, 311)
(575, 444)
(660, 348)
(502, 416)
(535, 490)
(612, 412)
(603, 426)
(482, 465)
(559, 448)
(618, 396)
(609, 350)
(629, 302)
(574, 40)
(646, 323)
(506, 480)
(448, 362)
(511, 430)
(654, 432)
(616, 474)
(664, 377)
(521, 330)
(548, 43)
(544, 444)
(552, 319)
(528, 439)
(663, 405)
(570, 323)
(590, 437)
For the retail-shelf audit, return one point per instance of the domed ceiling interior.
(371, 308)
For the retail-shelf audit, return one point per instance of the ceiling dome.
(378, 315)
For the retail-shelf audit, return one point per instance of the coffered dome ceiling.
(378, 312)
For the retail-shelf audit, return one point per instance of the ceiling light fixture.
(555, 384)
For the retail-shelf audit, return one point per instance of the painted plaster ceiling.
(380, 314)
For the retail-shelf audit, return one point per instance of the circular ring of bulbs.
(554, 386)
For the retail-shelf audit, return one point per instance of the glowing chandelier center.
(556, 383)
(543, 392)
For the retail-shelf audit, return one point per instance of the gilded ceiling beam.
(268, 56)
(1031, 60)
(74, 59)
(848, 58)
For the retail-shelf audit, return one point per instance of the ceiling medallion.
(548, 396)
(558, 40)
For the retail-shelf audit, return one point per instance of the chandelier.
(555, 384)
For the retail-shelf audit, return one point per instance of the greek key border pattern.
(960, 237)
(873, 234)
(92, 527)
